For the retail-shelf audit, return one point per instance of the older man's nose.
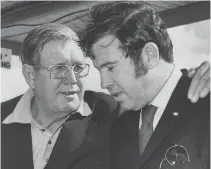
(70, 77)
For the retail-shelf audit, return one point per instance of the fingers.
(191, 72)
(205, 91)
(200, 83)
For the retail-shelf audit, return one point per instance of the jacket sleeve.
(103, 107)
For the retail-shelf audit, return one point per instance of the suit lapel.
(17, 146)
(168, 120)
(73, 134)
(124, 142)
(164, 127)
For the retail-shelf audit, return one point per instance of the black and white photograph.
(105, 85)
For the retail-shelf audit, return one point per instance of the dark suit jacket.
(191, 129)
(74, 142)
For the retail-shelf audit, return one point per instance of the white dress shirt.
(162, 99)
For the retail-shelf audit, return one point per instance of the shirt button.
(49, 142)
(43, 130)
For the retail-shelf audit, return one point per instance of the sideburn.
(140, 68)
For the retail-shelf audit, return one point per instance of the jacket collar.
(22, 112)
(171, 116)
(73, 135)
(125, 130)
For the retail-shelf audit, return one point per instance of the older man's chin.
(69, 106)
(72, 107)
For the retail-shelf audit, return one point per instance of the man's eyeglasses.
(174, 155)
(61, 71)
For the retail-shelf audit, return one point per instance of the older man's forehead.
(56, 52)
(77, 51)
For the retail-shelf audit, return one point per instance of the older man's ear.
(29, 75)
(200, 85)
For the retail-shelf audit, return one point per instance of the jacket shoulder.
(102, 106)
(202, 108)
(7, 107)
(198, 112)
(92, 97)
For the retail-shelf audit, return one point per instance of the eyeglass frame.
(70, 67)
(167, 158)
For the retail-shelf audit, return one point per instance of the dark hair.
(133, 23)
(38, 37)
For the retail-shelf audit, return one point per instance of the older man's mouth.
(69, 93)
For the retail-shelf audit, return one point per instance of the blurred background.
(188, 24)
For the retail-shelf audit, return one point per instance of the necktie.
(146, 129)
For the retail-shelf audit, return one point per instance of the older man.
(41, 128)
(159, 126)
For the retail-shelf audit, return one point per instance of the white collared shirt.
(43, 140)
(162, 99)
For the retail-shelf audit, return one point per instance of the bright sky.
(191, 47)
(191, 43)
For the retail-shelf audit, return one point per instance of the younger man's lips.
(117, 94)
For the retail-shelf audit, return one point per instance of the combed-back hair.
(41, 35)
(133, 23)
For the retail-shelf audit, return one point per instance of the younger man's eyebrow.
(108, 63)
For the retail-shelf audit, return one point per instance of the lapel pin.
(175, 113)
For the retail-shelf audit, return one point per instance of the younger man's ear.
(29, 75)
(150, 55)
